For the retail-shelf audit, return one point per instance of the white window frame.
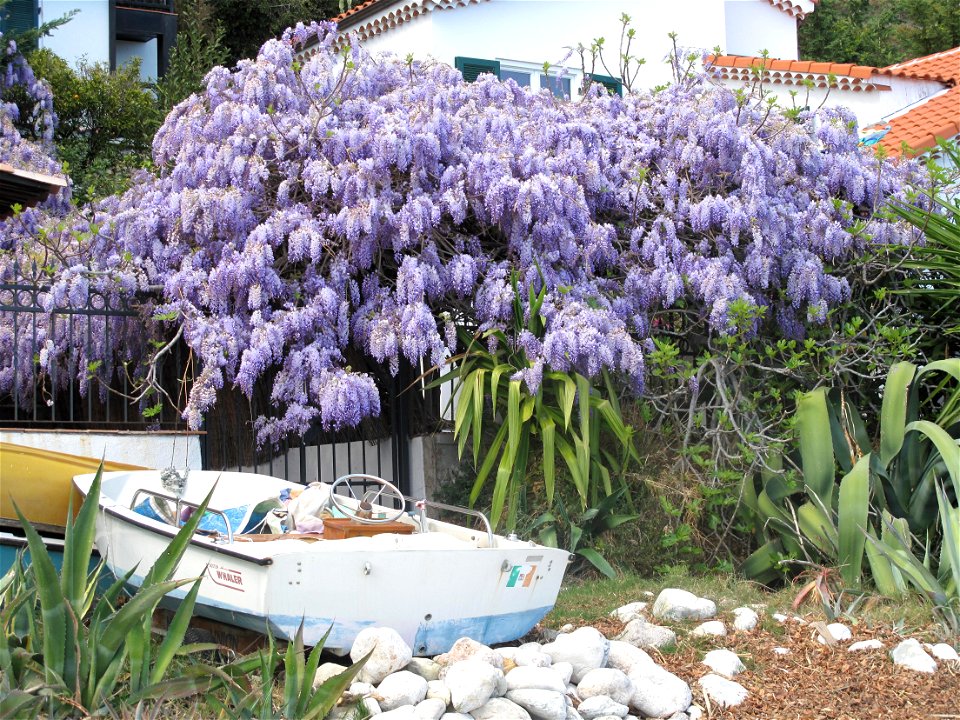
(536, 70)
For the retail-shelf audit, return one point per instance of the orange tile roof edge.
(858, 78)
(943, 66)
(918, 128)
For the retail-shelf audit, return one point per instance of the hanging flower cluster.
(303, 208)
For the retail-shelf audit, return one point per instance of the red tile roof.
(858, 78)
(943, 66)
(938, 117)
(918, 129)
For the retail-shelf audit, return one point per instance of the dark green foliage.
(200, 47)
(249, 24)
(879, 32)
(106, 122)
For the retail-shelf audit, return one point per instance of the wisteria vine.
(306, 207)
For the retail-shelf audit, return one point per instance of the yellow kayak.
(41, 483)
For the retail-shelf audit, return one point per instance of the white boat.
(433, 582)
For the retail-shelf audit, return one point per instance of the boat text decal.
(521, 575)
(226, 577)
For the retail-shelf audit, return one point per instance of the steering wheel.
(384, 490)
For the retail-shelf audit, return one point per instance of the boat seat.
(242, 518)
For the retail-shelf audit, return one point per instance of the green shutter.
(612, 84)
(472, 68)
(18, 16)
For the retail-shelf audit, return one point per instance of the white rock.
(676, 604)
(872, 644)
(942, 651)
(724, 662)
(585, 648)
(564, 671)
(624, 656)
(679, 716)
(424, 667)
(599, 706)
(630, 611)
(468, 649)
(472, 683)
(407, 712)
(715, 628)
(781, 651)
(657, 692)
(572, 713)
(532, 654)
(609, 717)
(608, 682)
(326, 671)
(568, 628)
(541, 704)
(439, 690)
(390, 653)
(500, 709)
(745, 619)
(721, 691)
(642, 634)
(910, 654)
(535, 678)
(780, 617)
(456, 716)
(839, 632)
(401, 688)
(694, 712)
(430, 709)
(371, 705)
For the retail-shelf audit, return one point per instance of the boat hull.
(40, 482)
(432, 587)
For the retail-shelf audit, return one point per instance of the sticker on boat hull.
(521, 575)
(226, 577)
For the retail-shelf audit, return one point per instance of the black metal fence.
(73, 391)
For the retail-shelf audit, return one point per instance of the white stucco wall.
(537, 31)
(753, 26)
(869, 107)
(87, 35)
(149, 449)
(127, 50)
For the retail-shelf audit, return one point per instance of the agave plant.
(880, 494)
(249, 699)
(73, 657)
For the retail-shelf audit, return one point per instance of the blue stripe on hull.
(432, 638)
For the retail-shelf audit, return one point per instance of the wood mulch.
(820, 682)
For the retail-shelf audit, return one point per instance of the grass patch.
(590, 601)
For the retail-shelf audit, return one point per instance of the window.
(559, 86)
(560, 82)
(520, 77)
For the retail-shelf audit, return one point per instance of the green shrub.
(880, 493)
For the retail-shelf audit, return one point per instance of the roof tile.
(920, 127)
(943, 66)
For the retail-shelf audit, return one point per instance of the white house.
(514, 38)
(904, 106)
(112, 32)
